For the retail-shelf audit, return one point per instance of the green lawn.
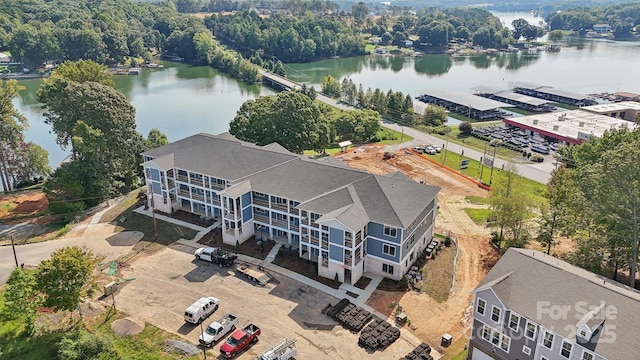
(479, 216)
(477, 200)
(519, 111)
(565, 106)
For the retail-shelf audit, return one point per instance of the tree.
(510, 206)
(21, 298)
(434, 115)
(556, 35)
(12, 126)
(519, 27)
(466, 128)
(331, 86)
(557, 217)
(288, 118)
(27, 163)
(359, 12)
(155, 139)
(66, 277)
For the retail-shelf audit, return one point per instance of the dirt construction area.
(168, 282)
(430, 319)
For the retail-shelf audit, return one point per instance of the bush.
(447, 241)
(465, 128)
(441, 130)
(536, 158)
(81, 345)
(495, 142)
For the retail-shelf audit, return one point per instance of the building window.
(481, 305)
(548, 340)
(495, 338)
(543, 358)
(389, 231)
(486, 333)
(495, 314)
(389, 250)
(566, 349)
(530, 333)
(505, 343)
(586, 355)
(514, 320)
(582, 333)
(387, 269)
(526, 350)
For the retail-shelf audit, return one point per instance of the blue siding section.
(374, 248)
(155, 174)
(156, 188)
(377, 230)
(247, 214)
(245, 199)
(336, 253)
(336, 236)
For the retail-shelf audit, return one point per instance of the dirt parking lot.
(169, 281)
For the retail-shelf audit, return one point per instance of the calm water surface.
(182, 100)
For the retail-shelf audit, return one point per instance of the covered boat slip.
(521, 101)
(552, 94)
(465, 104)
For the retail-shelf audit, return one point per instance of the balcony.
(293, 210)
(279, 223)
(314, 240)
(314, 224)
(229, 214)
(184, 193)
(347, 261)
(199, 197)
(325, 262)
(197, 182)
(348, 243)
(294, 227)
(182, 178)
(216, 186)
(261, 202)
(282, 207)
(261, 218)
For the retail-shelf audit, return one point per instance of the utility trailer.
(249, 271)
(284, 350)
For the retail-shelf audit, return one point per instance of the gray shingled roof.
(536, 278)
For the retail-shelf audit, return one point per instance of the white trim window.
(495, 313)
(548, 340)
(586, 355)
(530, 331)
(486, 333)
(387, 268)
(389, 249)
(481, 306)
(505, 343)
(526, 350)
(390, 231)
(514, 320)
(565, 352)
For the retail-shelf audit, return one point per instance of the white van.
(201, 309)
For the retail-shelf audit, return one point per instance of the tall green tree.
(510, 206)
(331, 87)
(155, 139)
(12, 126)
(557, 217)
(66, 277)
(288, 118)
(21, 300)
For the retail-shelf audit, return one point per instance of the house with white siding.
(347, 220)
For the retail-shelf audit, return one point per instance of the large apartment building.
(347, 220)
(534, 306)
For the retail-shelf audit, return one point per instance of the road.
(540, 172)
(96, 237)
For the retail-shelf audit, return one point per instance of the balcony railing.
(280, 223)
(294, 227)
(279, 206)
(261, 202)
(182, 178)
(347, 261)
(216, 186)
(196, 182)
(325, 245)
(293, 210)
(314, 240)
(325, 262)
(261, 218)
(229, 214)
(348, 243)
(197, 196)
(184, 193)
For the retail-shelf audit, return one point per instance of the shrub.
(447, 241)
(495, 142)
(536, 158)
(465, 128)
(81, 345)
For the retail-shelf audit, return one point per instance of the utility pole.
(13, 246)
(446, 144)
(204, 348)
(482, 161)
(492, 164)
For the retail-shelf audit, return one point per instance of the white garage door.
(479, 355)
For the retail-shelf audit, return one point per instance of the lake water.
(182, 100)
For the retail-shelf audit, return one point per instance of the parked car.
(201, 309)
(240, 340)
(419, 149)
(430, 150)
(438, 148)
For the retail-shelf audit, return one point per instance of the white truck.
(218, 329)
(284, 350)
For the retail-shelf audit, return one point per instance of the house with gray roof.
(535, 306)
(347, 220)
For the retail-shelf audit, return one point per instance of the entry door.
(347, 276)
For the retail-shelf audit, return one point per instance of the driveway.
(168, 282)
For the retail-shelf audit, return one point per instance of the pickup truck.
(239, 341)
(218, 329)
(216, 256)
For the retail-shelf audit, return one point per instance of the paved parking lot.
(169, 281)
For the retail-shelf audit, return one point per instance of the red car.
(239, 341)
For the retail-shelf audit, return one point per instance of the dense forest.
(622, 18)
